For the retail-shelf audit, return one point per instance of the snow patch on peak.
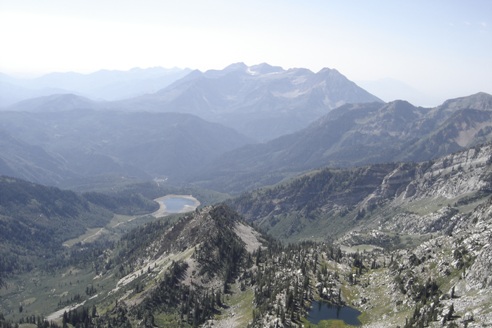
(265, 68)
(251, 72)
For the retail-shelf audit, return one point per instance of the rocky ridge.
(429, 194)
(449, 233)
(411, 198)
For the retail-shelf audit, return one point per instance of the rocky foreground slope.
(444, 281)
(428, 225)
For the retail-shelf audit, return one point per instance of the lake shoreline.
(162, 211)
(321, 310)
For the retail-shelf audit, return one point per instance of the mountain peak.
(261, 101)
(259, 69)
(328, 71)
(265, 68)
(329, 74)
(399, 104)
(236, 67)
(480, 100)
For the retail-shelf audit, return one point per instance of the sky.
(424, 50)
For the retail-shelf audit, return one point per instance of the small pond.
(177, 204)
(324, 311)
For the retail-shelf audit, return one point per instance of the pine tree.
(450, 312)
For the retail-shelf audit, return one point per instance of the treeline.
(427, 293)
(187, 305)
(39, 321)
(285, 279)
(330, 195)
(134, 244)
(192, 303)
(220, 255)
(223, 252)
(80, 318)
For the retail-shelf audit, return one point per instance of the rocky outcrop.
(450, 177)
(443, 281)
(415, 198)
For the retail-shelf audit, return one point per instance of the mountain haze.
(260, 101)
(56, 147)
(54, 103)
(358, 134)
(100, 85)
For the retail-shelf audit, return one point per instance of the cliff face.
(454, 176)
(439, 216)
(432, 196)
(409, 197)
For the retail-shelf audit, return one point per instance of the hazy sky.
(442, 48)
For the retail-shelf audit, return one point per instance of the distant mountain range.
(49, 140)
(357, 134)
(101, 85)
(317, 119)
(260, 101)
(60, 102)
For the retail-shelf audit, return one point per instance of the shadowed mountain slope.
(357, 134)
(55, 147)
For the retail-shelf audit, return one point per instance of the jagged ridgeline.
(412, 198)
(195, 286)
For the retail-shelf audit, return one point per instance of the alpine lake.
(178, 203)
(325, 311)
